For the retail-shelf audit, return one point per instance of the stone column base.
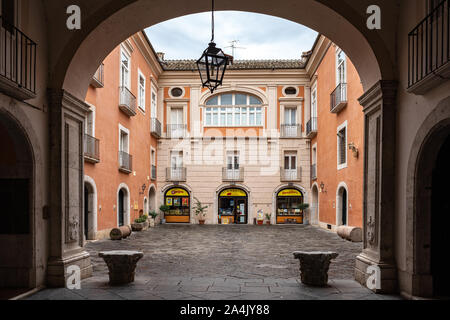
(388, 274)
(56, 269)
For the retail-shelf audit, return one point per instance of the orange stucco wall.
(107, 119)
(326, 140)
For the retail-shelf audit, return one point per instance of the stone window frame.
(344, 165)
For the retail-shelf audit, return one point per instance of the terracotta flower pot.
(201, 221)
(260, 222)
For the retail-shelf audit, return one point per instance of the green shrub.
(153, 214)
(141, 219)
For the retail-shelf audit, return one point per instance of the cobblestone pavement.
(222, 262)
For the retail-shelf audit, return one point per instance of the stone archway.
(74, 58)
(17, 198)
(423, 193)
(90, 213)
(123, 205)
(120, 19)
(152, 204)
(342, 205)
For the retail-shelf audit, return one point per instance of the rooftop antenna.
(234, 47)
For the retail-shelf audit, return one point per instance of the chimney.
(160, 55)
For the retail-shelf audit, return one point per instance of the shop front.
(233, 206)
(288, 206)
(178, 202)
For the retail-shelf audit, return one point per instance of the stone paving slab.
(190, 262)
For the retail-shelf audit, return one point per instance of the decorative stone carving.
(73, 229)
(314, 267)
(121, 265)
(371, 232)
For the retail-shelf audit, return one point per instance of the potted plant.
(260, 217)
(268, 217)
(140, 224)
(153, 216)
(200, 211)
(164, 209)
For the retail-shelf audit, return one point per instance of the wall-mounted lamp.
(354, 149)
(322, 187)
(143, 189)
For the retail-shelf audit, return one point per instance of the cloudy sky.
(261, 36)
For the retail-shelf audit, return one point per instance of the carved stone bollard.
(314, 267)
(121, 265)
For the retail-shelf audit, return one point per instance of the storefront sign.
(177, 192)
(233, 193)
(290, 193)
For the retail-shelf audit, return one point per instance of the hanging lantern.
(213, 63)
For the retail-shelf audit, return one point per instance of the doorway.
(121, 208)
(440, 220)
(233, 207)
(342, 207)
(16, 197)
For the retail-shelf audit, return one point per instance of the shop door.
(240, 211)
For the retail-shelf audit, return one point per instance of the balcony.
(176, 131)
(429, 52)
(311, 128)
(339, 98)
(91, 149)
(127, 102)
(291, 175)
(17, 62)
(153, 177)
(232, 175)
(314, 172)
(176, 174)
(125, 162)
(155, 128)
(97, 80)
(291, 131)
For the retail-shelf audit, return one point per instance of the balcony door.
(176, 165)
(176, 122)
(233, 167)
(290, 121)
(290, 166)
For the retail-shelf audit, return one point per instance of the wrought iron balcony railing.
(339, 98)
(125, 162)
(176, 174)
(429, 48)
(153, 177)
(155, 127)
(91, 149)
(97, 80)
(127, 102)
(17, 62)
(314, 172)
(233, 175)
(176, 131)
(291, 131)
(311, 127)
(291, 175)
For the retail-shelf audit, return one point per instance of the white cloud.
(262, 36)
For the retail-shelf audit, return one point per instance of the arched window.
(233, 110)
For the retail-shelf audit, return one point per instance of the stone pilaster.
(67, 115)
(379, 106)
